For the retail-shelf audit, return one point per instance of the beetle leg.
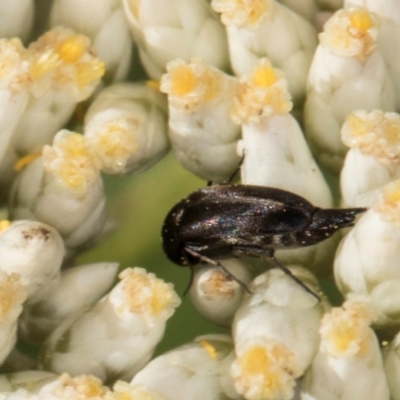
(287, 271)
(217, 264)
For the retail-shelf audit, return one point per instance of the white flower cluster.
(293, 92)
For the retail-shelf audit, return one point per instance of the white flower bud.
(16, 18)
(126, 128)
(349, 363)
(105, 23)
(388, 35)
(128, 323)
(366, 262)
(63, 189)
(63, 71)
(347, 73)
(14, 97)
(276, 335)
(266, 28)
(391, 361)
(39, 89)
(374, 156)
(199, 369)
(215, 294)
(34, 251)
(12, 295)
(165, 31)
(78, 289)
(276, 153)
(202, 134)
(63, 60)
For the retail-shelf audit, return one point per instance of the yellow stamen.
(183, 80)
(73, 48)
(26, 160)
(89, 72)
(4, 224)
(209, 348)
(361, 20)
(264, 76)
(153, 84)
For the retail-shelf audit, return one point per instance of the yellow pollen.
(256, 360)
(43, 65)
(89, 72)
(161, 297)
(361, 20)
(153, 84)
(392, 130)
(74, 145)
(357, 125)
(26, 160)
(4, 224)
(343, 337)
(256, 10)
(392, 193)
(209, 348)
(183, 80)
(85, 386)
(73, 48)
(264, 76)
(11, 293)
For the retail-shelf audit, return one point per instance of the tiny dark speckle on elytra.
(42, 233)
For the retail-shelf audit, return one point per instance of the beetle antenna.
(287, 271)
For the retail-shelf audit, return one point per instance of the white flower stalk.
(391, 362)
(126, 128)
(34, 251)
(276, 335)
(63, 189)
(128, 323)
(105, 24)
(125, 391)
(12, 295)
(265, 28)
(16, 18)
(202, 134)
(215, 294)
(197, 370)
(63, 72)
(78, 289)
(374, 156)
(347, 74)
(388, 36)
(165, 31)
(366, 261)
(349, 362)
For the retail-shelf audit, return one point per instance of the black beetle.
(226, 220)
